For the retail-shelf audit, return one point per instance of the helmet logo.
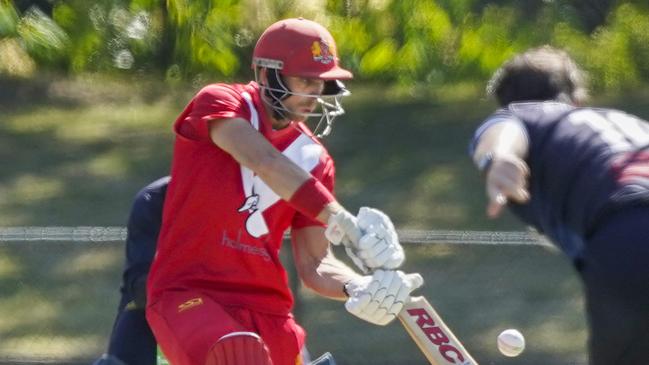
(321, 53)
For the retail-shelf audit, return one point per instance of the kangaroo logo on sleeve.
(250, 205)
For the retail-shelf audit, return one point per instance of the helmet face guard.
(300, 48)
(329, 102)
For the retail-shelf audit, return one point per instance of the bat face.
(436, 336)
(435, 340)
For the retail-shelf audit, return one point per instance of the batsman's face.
(299, 105)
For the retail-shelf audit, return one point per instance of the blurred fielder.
(580, 176)
(131, 340)
(245, 169)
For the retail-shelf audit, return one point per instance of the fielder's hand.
(380, 297)
(506, 180)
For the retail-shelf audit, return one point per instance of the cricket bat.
(430, 333)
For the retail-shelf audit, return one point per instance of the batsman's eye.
(301, 82)
(315, 83)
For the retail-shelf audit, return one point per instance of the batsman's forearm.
(249, 148)
(330, 278)
(288, 180)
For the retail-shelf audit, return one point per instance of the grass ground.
(78, 150)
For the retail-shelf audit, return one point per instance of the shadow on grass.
(58, 299)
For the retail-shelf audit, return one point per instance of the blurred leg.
(132, 340)
(107, 359)
(616, 279)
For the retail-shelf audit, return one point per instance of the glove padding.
(379, 246)
(379, 298)
(370, 239)
(342, 228)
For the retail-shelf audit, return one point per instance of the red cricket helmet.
(299, 47)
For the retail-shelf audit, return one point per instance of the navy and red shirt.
(584, 163)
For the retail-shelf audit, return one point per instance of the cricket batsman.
(245, 169)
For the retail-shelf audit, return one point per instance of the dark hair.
(543, 73)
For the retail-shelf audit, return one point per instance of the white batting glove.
(380, 297)
(379, 246)
(343, 229)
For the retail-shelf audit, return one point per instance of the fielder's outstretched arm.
(500, 155)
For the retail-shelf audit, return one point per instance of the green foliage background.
(407, 42)
(81, 145)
